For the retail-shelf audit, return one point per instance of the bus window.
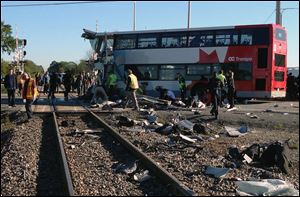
(279, 60)
(205, 39)
(280, 34)
(148, 72)
(246, 37)
(125, 42)
(262, 59)
(196, 71)
(169, 72)
(261, 36)
(279, 76)
(243, 71)
(147, 41)
(173, 41)
(223, 38)
(235, 39)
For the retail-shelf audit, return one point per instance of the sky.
(54, 32)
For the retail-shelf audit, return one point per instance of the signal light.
(24, 42)
(24, 53)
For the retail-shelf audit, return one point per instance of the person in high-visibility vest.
(111, 83)
(29, 93)
(132, 86)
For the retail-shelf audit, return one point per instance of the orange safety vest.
(133, 82)
(31, 91)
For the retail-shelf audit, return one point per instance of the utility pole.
(17, 52)
(278, 13)
(189, 14)
(134, 19)
(97, 26)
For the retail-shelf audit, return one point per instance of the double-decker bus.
(257, 54)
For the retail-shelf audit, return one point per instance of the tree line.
(8, 45)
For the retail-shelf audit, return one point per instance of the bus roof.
(88, 34)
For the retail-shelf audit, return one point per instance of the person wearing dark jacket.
(215, 89)
(231, 88)
(67, 81)
(10, 83)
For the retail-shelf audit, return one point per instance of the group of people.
(103, 91)
(220, 87)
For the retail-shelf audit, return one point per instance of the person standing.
(182, 86)
(222, 78)
(231, 88)
(67, 81)
(111, 83)
(131, 87)
(10, 83)
(215, 89)
(46, 82)
(29, 93)
(53, 84)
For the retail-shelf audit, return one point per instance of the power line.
(50, 4)
(282, 10)
(269, 16)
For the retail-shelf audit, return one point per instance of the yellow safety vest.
(31, 92)
(133, 82)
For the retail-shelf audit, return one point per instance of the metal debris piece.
(216, 172)
(127, 168)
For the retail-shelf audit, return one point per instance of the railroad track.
(80, 150)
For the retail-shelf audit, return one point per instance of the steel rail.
(63, 160)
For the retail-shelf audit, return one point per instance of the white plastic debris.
(247, 158)
(232, 109)
(216, 172)
(266, 187)
(140, 177)
(186, 124)
(285, 114)
(233, 132)
(187, 139)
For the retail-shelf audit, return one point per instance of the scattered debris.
(165, 129)
(247, 158)
(141, 177)
(127, 168)
(186, 124)
(266, 187)
(233, 132)
(216, 172)
(152, 118)
(232, 109)
(199, 128)
(125, 121)
(187, 139)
